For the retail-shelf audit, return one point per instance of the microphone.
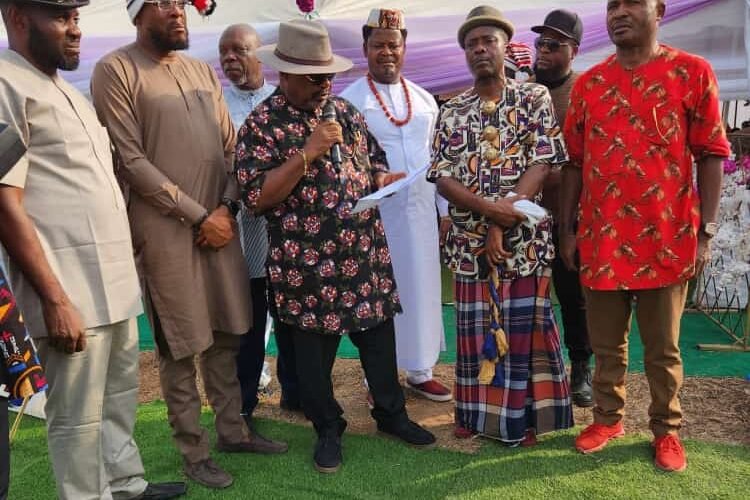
(329, 115)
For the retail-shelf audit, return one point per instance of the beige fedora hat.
(303, 49)
(484, 15)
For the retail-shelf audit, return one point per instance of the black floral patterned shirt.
(330, 270)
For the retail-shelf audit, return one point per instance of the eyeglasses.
(320, 79)
(549, 43)
(167, 5)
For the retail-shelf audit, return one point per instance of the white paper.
(534, 212)
(373, 199)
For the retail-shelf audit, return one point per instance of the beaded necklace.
(388, 114)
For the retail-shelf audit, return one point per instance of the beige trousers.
(658, 312)
(218, 365)
(91, 404)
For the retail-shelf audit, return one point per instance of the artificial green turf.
(380, 468)
(696, 329)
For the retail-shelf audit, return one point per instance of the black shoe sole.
(583, 404)
(394, 437)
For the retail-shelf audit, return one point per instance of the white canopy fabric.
(717, 30)
(108, 17)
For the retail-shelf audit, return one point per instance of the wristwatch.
(710, 229)
(232, 205)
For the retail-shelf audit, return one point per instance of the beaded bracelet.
(304, 160)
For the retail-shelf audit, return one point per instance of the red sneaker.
(530, 439)
(432, 390)
(596, 436)
(670, 454)
(462, 432)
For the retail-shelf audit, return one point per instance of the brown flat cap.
(484, 15)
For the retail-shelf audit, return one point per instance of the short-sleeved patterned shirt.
(329, 270)
(635, 133)
(528, 134)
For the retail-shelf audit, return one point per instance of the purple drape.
(433, 60)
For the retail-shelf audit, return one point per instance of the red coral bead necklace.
(388, 114)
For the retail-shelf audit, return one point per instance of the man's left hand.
(703, 254)
(445, 225)
(382, 179)
(493, 246)
(217, 230)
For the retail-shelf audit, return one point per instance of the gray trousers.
(91, 404)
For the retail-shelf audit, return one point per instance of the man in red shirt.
(635, 125)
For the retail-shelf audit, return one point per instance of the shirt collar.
(248, 94)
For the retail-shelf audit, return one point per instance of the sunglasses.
(549, 43)
(320, 79)
(167, 5)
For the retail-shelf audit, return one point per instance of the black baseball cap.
(564, 22)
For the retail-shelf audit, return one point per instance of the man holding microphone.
(329, 269)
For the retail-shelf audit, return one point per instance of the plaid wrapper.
(530, 389)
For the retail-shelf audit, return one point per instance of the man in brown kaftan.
(174, 138)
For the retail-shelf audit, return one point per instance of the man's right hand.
(65, 328)
(568, 250)
(325, 135)
(502, 212)
(217, 230)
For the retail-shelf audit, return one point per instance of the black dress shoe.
(162, 491)
(327, 454)
(580, 384)
(409, 432)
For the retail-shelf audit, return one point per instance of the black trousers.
(315, 354)
(286, 364)
(4, 449)
(572, 305)
(253, 348)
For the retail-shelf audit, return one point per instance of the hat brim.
(70, 4)
(267, 56)
(540, 30)
(474, 22)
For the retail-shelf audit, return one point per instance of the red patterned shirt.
(636, 133)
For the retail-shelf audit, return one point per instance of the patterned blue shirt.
(253, 235)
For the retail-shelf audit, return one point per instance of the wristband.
(231, 205)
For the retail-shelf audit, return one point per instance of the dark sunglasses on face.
(320, 79)
(549, 43)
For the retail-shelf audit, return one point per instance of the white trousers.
(91, 404)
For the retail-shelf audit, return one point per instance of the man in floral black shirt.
(329, 270)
